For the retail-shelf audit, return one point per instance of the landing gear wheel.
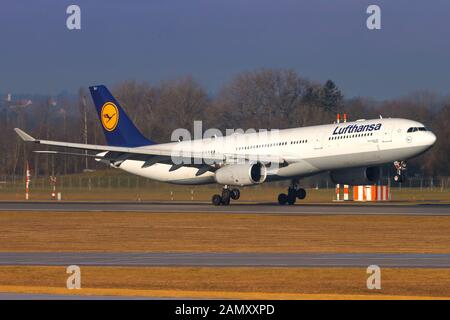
(292, 196)
(291, 199)
(226, 195)
(400, 167)
(235, 194)
(216, 200)
(282, 198)
(301, 194)
(294, 193)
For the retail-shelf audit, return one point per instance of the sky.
(213, 40)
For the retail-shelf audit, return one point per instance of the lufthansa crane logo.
(110, 116)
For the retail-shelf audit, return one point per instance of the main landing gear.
(227, 195)
(400, 167)
(294, 192)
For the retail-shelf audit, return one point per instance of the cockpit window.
(414, 129)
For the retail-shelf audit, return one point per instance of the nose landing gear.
(400, 167)
(294, 193)
(227, 195)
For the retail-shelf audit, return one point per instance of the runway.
(303, 260)
(241, 208)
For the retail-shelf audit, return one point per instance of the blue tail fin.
(118, 128)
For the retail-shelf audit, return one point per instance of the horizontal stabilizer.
(23, 135)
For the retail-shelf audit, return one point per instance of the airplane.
(352, 152)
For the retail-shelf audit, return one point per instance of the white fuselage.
(307, 150)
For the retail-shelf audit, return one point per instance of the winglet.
(24, 136)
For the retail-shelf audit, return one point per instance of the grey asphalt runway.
(226, 259)
(243, 208)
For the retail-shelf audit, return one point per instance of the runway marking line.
(205, 294)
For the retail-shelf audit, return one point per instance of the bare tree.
(266, 98)
(138, 100)
(179, 102)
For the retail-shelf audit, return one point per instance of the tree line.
(259, 99)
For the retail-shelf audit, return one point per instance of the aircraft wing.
(149, 153)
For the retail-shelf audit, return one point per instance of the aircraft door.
(318, 142)
(387, 133)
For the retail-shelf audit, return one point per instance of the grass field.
(167, 192)
(113, 184)
(245, 283)
(188, 232)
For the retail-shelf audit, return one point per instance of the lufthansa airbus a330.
(351, 152)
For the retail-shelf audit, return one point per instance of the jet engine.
(356, 176)
(241, 174)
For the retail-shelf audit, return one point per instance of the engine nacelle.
(241, 174)
(356, 176)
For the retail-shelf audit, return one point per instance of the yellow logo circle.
(110, 116)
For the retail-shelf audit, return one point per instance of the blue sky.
(212, 40)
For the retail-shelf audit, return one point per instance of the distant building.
(52, 102)
(21, 103)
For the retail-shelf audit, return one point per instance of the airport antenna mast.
(83, 111)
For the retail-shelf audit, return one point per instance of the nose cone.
(431, 138)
